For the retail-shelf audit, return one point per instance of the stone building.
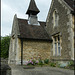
(29, 38)
(53, 39)
(60, 26)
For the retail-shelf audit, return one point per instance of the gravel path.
(19, 70)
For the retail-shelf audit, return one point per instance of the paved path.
(18, 70)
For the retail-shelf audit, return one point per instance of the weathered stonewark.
(35, 49)
(64, 27)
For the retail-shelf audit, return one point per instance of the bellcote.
(32, 13)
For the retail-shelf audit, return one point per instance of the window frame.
(57, 47)
(55, 19)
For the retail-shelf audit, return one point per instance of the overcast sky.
(11, 7)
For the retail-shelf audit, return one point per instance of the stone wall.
(13, 49)
(35, 49)
(5, 69)
(4, 61)
(64, 27)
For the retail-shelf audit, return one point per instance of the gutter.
(21, 52)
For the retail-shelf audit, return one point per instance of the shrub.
(53, 64)
(71, 63)
(41, 62)
(46, 61)
(32, 62)
(35, 62)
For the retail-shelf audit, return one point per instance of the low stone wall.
(5, 68)
(4, 61)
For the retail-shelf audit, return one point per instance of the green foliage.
(35, 62)
(53, 64)
(71, 63)
(46, 61)
(5, 46)
(41, 62)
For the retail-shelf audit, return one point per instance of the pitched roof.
(32, 8)
(70, 3)
(32, 31)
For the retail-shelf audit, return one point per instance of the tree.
(5, 41)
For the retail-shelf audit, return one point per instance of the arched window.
(55, 18)
(56, 45)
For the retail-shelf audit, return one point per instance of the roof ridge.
(22, 19)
